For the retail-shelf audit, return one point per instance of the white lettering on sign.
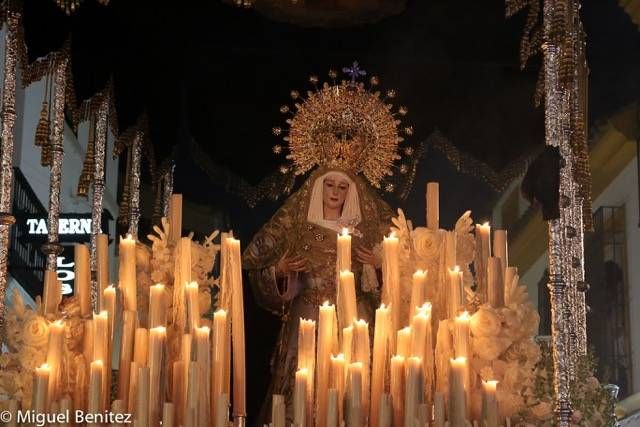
(66, 274)
(65, 226)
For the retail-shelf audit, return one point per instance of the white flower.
(490, 348)
(426, 243)
(35, 331)
(485, 322)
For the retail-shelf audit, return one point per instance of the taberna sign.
(72, 227)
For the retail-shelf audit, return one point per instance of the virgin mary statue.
(346, 136)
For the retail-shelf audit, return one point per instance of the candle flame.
(302, 371)
(158, 330)
(392, 235)
(44, 366)
(325, 303)
(203, 329)
(97, 362)
(382, 307)
(192, 285)
(455, 269)
(420, 272)
(425, 308)
(355, 365)
(58, 323)
(338, 357)
(491, 382)
(345, 231)
(398, 358)
(361, 323)
(459, 360)
(220, 312)
(405, 330)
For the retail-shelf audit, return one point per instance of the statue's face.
(334, 191)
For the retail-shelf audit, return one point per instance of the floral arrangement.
(27, 333)
(503, 340)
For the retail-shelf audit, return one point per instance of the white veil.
(350, 216)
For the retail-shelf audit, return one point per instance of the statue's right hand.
(289, 264)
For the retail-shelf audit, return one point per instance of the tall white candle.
(127, 272)
(300, 398)
(332, 408)
(413, 390)
(52, 293)
(461, 335)
(203, 358)
(347, 348)
(338, 381)
(40, 401)
(326, 334)
(391, 279)
(500, 248)
(396, 386)
(457, 405)
(237, 329)
(157, 341)
(344, 251)
(306, 360)
(101, 352)
(95, 388)
(362, 354)
(219, 342)
(109, 304)
(438, 409)
(380, 357)
(483, 252)
(278, 411)
(495, 291)
(193, 309)
(348, 311)
(168, 414)
(157, 305)
(403, 342)
(175, 217)
(354, 405)
(126, 353)
(83, 279)
(142, 397)
(489, 403)
(54, 358)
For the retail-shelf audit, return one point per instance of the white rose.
(485, 322)
(35, 331)
(426, 243)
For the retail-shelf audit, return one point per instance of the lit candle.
(157, 340)
(203, 358)
(40, 399)
(413, 390)
(101, 352)
(344, 251)
(191, 416)
(391, 279)
(326, 346)
(83, 279)
(380, 355)
(403, 342)
(495, 289)
(158, 305)
(237, 329)
(456, 291)
(127, 272)
(354, 419)
(52, 293)
(433, 208)
(132, 392)
(461, 335)
(102, 266)
(396, 386)
(95, 399)
(299, 398)
(428, 360)
(483, 252)
(54, 358)
(219, 343)
(177, 388)
(126, 353)
(278, 411)
(185, 358)
(108, 304)
(65, 408)
(419, 334)
(175, 217)
(13, 412)
(457, 406)
(306, 360)
(182, 277)
(193, 308)
(500, 248)
(338, 381)
(450, 245)
(489, 403)
(418, 289)
(348, 310)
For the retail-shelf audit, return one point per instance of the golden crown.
(346, 126)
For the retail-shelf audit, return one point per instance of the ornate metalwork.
(98, 193)
(6, 147)
(167, 189)
(52, 248)
(134, 183)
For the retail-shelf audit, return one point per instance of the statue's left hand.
(366, 256)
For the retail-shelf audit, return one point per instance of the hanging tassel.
(43, 130)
